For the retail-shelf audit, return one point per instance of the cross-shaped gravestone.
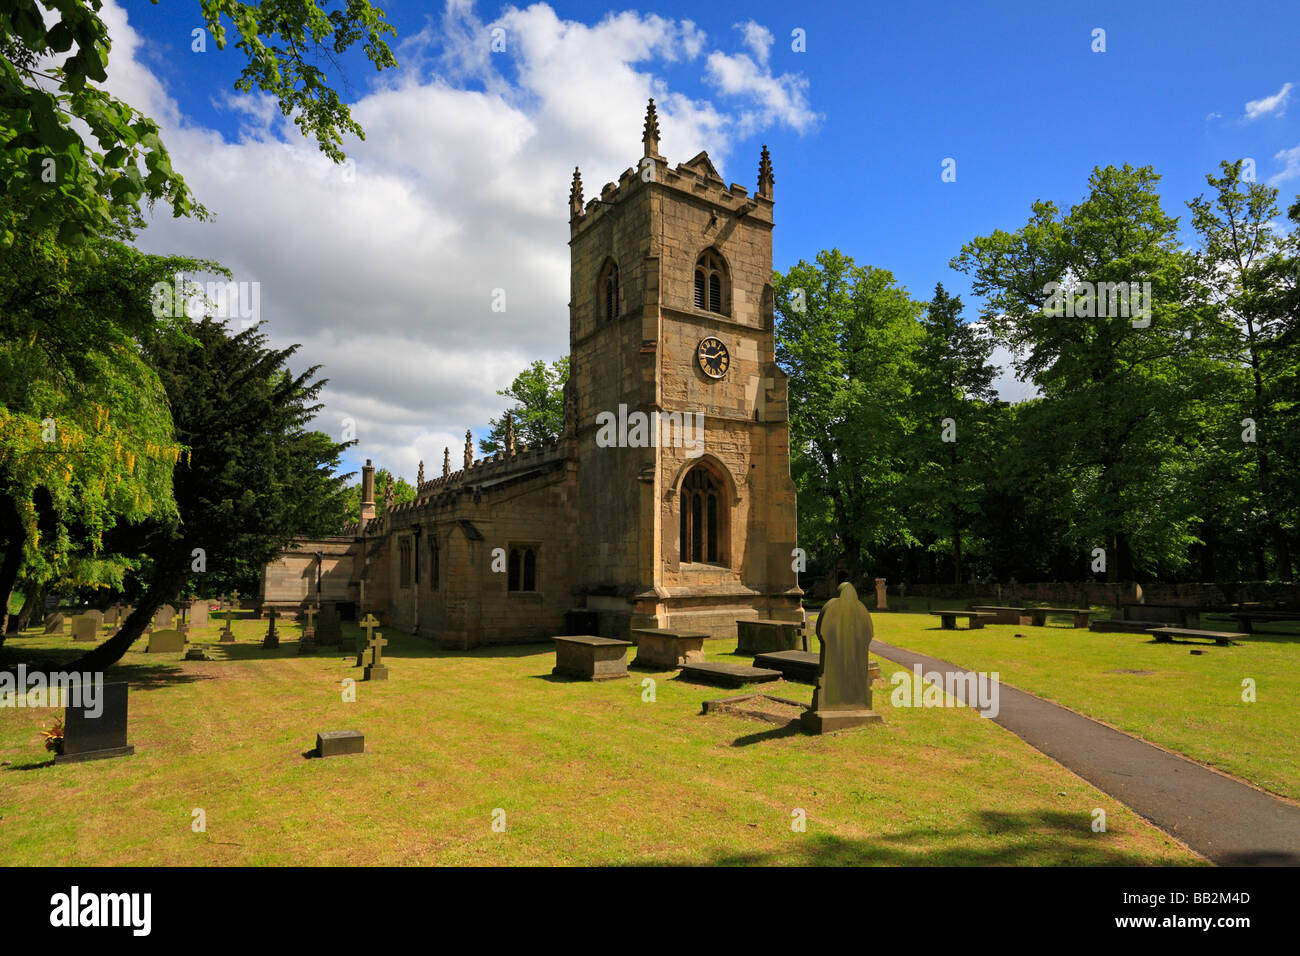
(376, 669)
(227, 635)
(307, 644)
(234, 599)
(272, 639)
(369, 622)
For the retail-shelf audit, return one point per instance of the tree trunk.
(15, 537)
(164, 585)
(35, 598)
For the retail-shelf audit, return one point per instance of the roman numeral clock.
(713, 357)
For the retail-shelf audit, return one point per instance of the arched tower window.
(711, 287)
(703, 518)
(607, 291)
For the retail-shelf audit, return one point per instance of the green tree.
(538, 412)
(254, 475)
(1120, 388)
(403, 491)
(53, 53)
(952, 389)
(1236, 269)
(845, 337)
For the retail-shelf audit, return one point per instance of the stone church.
(667, 500)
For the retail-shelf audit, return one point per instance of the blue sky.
(858, 126)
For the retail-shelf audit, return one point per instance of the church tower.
(677, 407)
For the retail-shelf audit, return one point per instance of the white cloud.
(384, 271)
(758, 38)
(1274, 105)
(1292, 169)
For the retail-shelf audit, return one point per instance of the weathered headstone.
(842, 698)
(165, 616)
(336, 743)
(882, 598)
(376, 669)
(87, 737)
(83, 628)
(307, 643)
(165, 641)
(227, 635)
(272, 639)
(55, 622)
(330, 629)
(113, 616)
(197, 613)
(369, 622)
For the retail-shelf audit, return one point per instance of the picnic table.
(1038, 615)
(1167, 634)
(974, 619)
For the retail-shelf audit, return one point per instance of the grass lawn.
(1188, 703)
(585, 773)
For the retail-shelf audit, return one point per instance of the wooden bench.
(974, 619)
(1038, 615)
(1167, 634)
(588, 657)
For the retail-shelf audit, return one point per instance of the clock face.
(713, 357)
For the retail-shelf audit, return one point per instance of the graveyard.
(599, 772)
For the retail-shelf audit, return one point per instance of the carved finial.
(469, 448)
(419, 478)
(510, 433)
(651, 136)
(575, 195)
(765, 178)
(446, 462)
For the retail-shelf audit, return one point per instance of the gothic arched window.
(607, 291)
(703, 518)
(521, 569)
(711, 283)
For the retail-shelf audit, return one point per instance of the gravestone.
(54, 623)
(376, 669)
(113, 616)
(95, 738)
(330, 629)
(369, 622)
(227, 635)
(165, 616)
(842, 698)
(166, 641)
(307, 643)
(882, 599)
(184, 629)
(272, 639)
(197, 613)
(197, 653)
(336, 743)
(83, 628)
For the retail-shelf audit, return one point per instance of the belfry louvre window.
(710, 283)
(521, 570)
(607, 289)
(404, 562)
(703, 519)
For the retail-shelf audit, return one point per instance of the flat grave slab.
(802, 667)
(337, 743)
(1187, 635)
(975, 619)
(1115, 626)
(1002, 615)
(590, 657)
(719, 674)
(773, 710)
